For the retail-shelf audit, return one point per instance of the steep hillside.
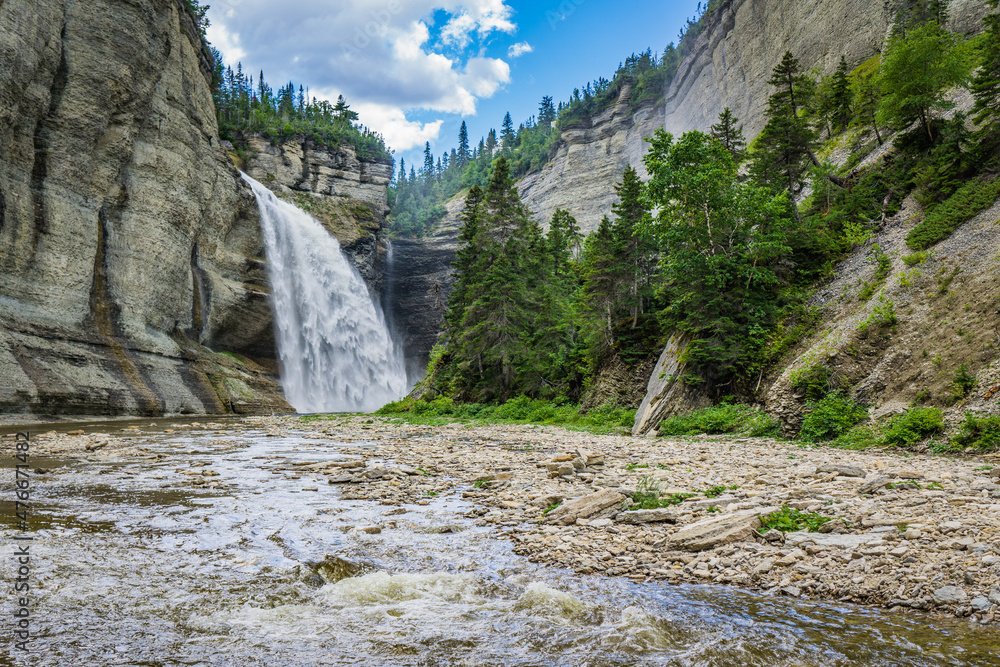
(129, 245)
(729, 66)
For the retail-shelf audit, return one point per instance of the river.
(136, 566)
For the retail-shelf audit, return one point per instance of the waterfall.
(335, 349)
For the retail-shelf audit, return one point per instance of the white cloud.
(519, 49)
(378, 55)
(400, 133)
(228, 44)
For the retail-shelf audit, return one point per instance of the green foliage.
(831, 417)
(647, 496)
(790, 520)
(916, 258)
(723, 239)
(716, 491)
(882, 316)
(963, 383)
(883, 266)
(912, 427)
(986, 82)
(783, 151)
(244, 107)
(858, 438)
(978, 432)
(730, 135)
(520, 410)
(969, 201)
(917, 68)
(814, 382)
(722, 419)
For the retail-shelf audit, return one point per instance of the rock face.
(347, 194)
(419, 280)
(729, 65)
(129, 245)
(666, 393)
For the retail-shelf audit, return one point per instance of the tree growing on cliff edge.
(917, 69)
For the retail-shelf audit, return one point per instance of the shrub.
(916, 258)
(913, 426)
(883, 315)
(815, 382)
(969, 201)
(722, 419)
(978, 432)
(963, 383)
(831, 417)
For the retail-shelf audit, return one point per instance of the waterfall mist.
(336, 352)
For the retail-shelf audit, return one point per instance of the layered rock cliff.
(728, 66)
(129, 246)
(347, 194)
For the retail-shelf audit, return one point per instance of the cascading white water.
(335, 349)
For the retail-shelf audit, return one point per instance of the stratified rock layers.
(128, 244)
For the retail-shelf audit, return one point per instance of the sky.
(415, 69)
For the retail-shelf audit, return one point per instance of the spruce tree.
(786, 142)
(507, 133)
(841, 97)
(730, 134)
(986, 82)
(463, 145)
(635, 253)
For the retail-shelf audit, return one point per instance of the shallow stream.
(137, 567)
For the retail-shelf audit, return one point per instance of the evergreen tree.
(918, 67)
(507, 134)
(730, 134)
(723, 240)
(491, 142)
(839, 101)
(786, 142)
(546, 112)
(635, 253)
(986, 83)
(428, 162)
(463, 145)
(867, 91)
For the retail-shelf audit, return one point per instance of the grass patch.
(521, 410)
(790, 520)
(858, 438)
(916, 258)
(647, 496)
(727, 418)
(968, 201)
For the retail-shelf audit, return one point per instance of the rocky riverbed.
(910, 532)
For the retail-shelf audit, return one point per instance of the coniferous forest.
(724, 242)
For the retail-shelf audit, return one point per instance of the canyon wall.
(130, 248)
(728, 66)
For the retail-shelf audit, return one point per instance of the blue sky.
(415, 69)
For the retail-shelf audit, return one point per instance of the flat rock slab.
(648, 516)
(842, 470)
(595, 505)
(717, 530)
(874, 485)
(834, 540)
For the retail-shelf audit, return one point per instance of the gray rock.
(981, 604)
(604, 503)
(842, 470)
(950, 527)
(950, 595)
(560, 469)
(994, 595)
(661, 515)
(718, 530)
(833, 540)
(874, 485)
